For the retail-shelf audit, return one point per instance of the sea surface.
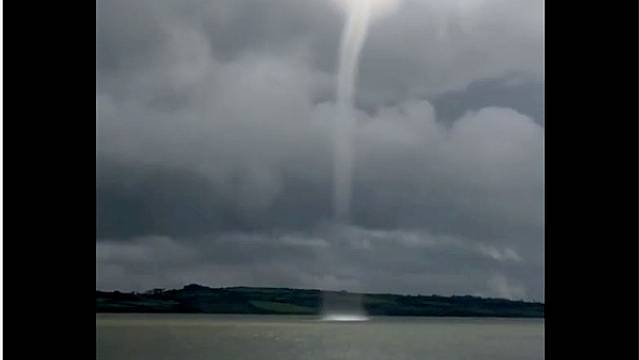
(256, 337)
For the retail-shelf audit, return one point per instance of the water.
(254, 337)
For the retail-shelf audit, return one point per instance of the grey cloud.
(214, 144)
(332, 257)
(426, 48)
(524, 97)
(487, 160)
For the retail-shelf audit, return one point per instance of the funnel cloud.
(359, 14)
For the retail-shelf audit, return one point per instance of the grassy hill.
(247, 300)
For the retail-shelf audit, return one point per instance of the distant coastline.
(254, 300)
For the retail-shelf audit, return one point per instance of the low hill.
(250, 300)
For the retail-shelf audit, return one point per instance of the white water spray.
(359, 15)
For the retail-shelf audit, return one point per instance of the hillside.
(248, 300)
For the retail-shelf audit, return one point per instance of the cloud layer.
(214, 148)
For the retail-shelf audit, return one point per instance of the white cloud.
(499, 255)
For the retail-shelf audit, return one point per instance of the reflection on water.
(254, 337)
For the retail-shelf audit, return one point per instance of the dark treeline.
(247, 300)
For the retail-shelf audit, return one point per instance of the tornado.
(359, 14)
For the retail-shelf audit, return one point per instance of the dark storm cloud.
(215, 161)
(525, 97)
(138, 200)
(134, 200)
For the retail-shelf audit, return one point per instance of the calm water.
(225, 337)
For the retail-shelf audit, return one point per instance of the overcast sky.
(214, 147)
